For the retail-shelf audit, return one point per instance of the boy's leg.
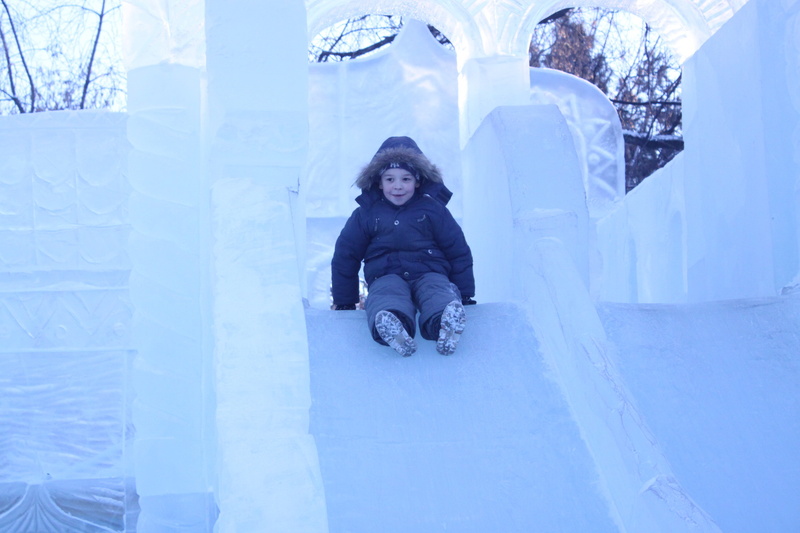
(391, 293)
(432, 293)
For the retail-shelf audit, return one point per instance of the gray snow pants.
(429, 294)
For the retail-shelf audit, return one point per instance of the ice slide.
(559, 416)
(481, 441)
(528, 427)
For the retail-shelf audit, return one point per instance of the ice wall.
(355, 105)
(721, 221)
(66, 348)
(642, 244)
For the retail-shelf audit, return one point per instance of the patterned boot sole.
(392, 331)
(453, 321)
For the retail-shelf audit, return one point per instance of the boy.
(415, 255)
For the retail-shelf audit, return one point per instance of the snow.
(168, 362)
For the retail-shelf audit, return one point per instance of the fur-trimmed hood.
(398, 150)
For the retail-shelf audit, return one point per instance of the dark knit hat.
(399, 142)
(405, 165)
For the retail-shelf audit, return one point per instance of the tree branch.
(671, 142)
(557, 15)
(13, 94)
(356, 53)
(652, 102)
(12, 98)
(100, 16)
(21, 56)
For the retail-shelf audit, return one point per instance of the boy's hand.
(467, 300)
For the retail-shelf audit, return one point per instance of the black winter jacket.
(417, 237)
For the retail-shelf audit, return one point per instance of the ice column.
(268, 473)
(170, 409)
(174, 400)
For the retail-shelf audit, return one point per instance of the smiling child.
(416, 259)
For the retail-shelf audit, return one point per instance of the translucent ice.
(155, 355)
(65, 325)
(596, 131)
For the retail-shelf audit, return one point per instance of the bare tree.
(12, 94)
(632, 66)
(357, 37)
(59, 55)
(354, 37)
(615, 51)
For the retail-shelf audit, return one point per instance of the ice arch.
(491, 38)
(504, 27)
(684, 24)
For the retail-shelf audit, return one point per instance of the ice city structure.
(632, 364)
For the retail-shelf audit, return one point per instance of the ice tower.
(168, 362)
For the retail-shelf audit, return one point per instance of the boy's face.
(398, 185)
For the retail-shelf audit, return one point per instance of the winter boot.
(394, 334)
(452, 326)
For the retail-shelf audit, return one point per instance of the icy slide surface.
(718, 386)
(480, 441)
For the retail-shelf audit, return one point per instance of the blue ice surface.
(479, 441)
(717, 383)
